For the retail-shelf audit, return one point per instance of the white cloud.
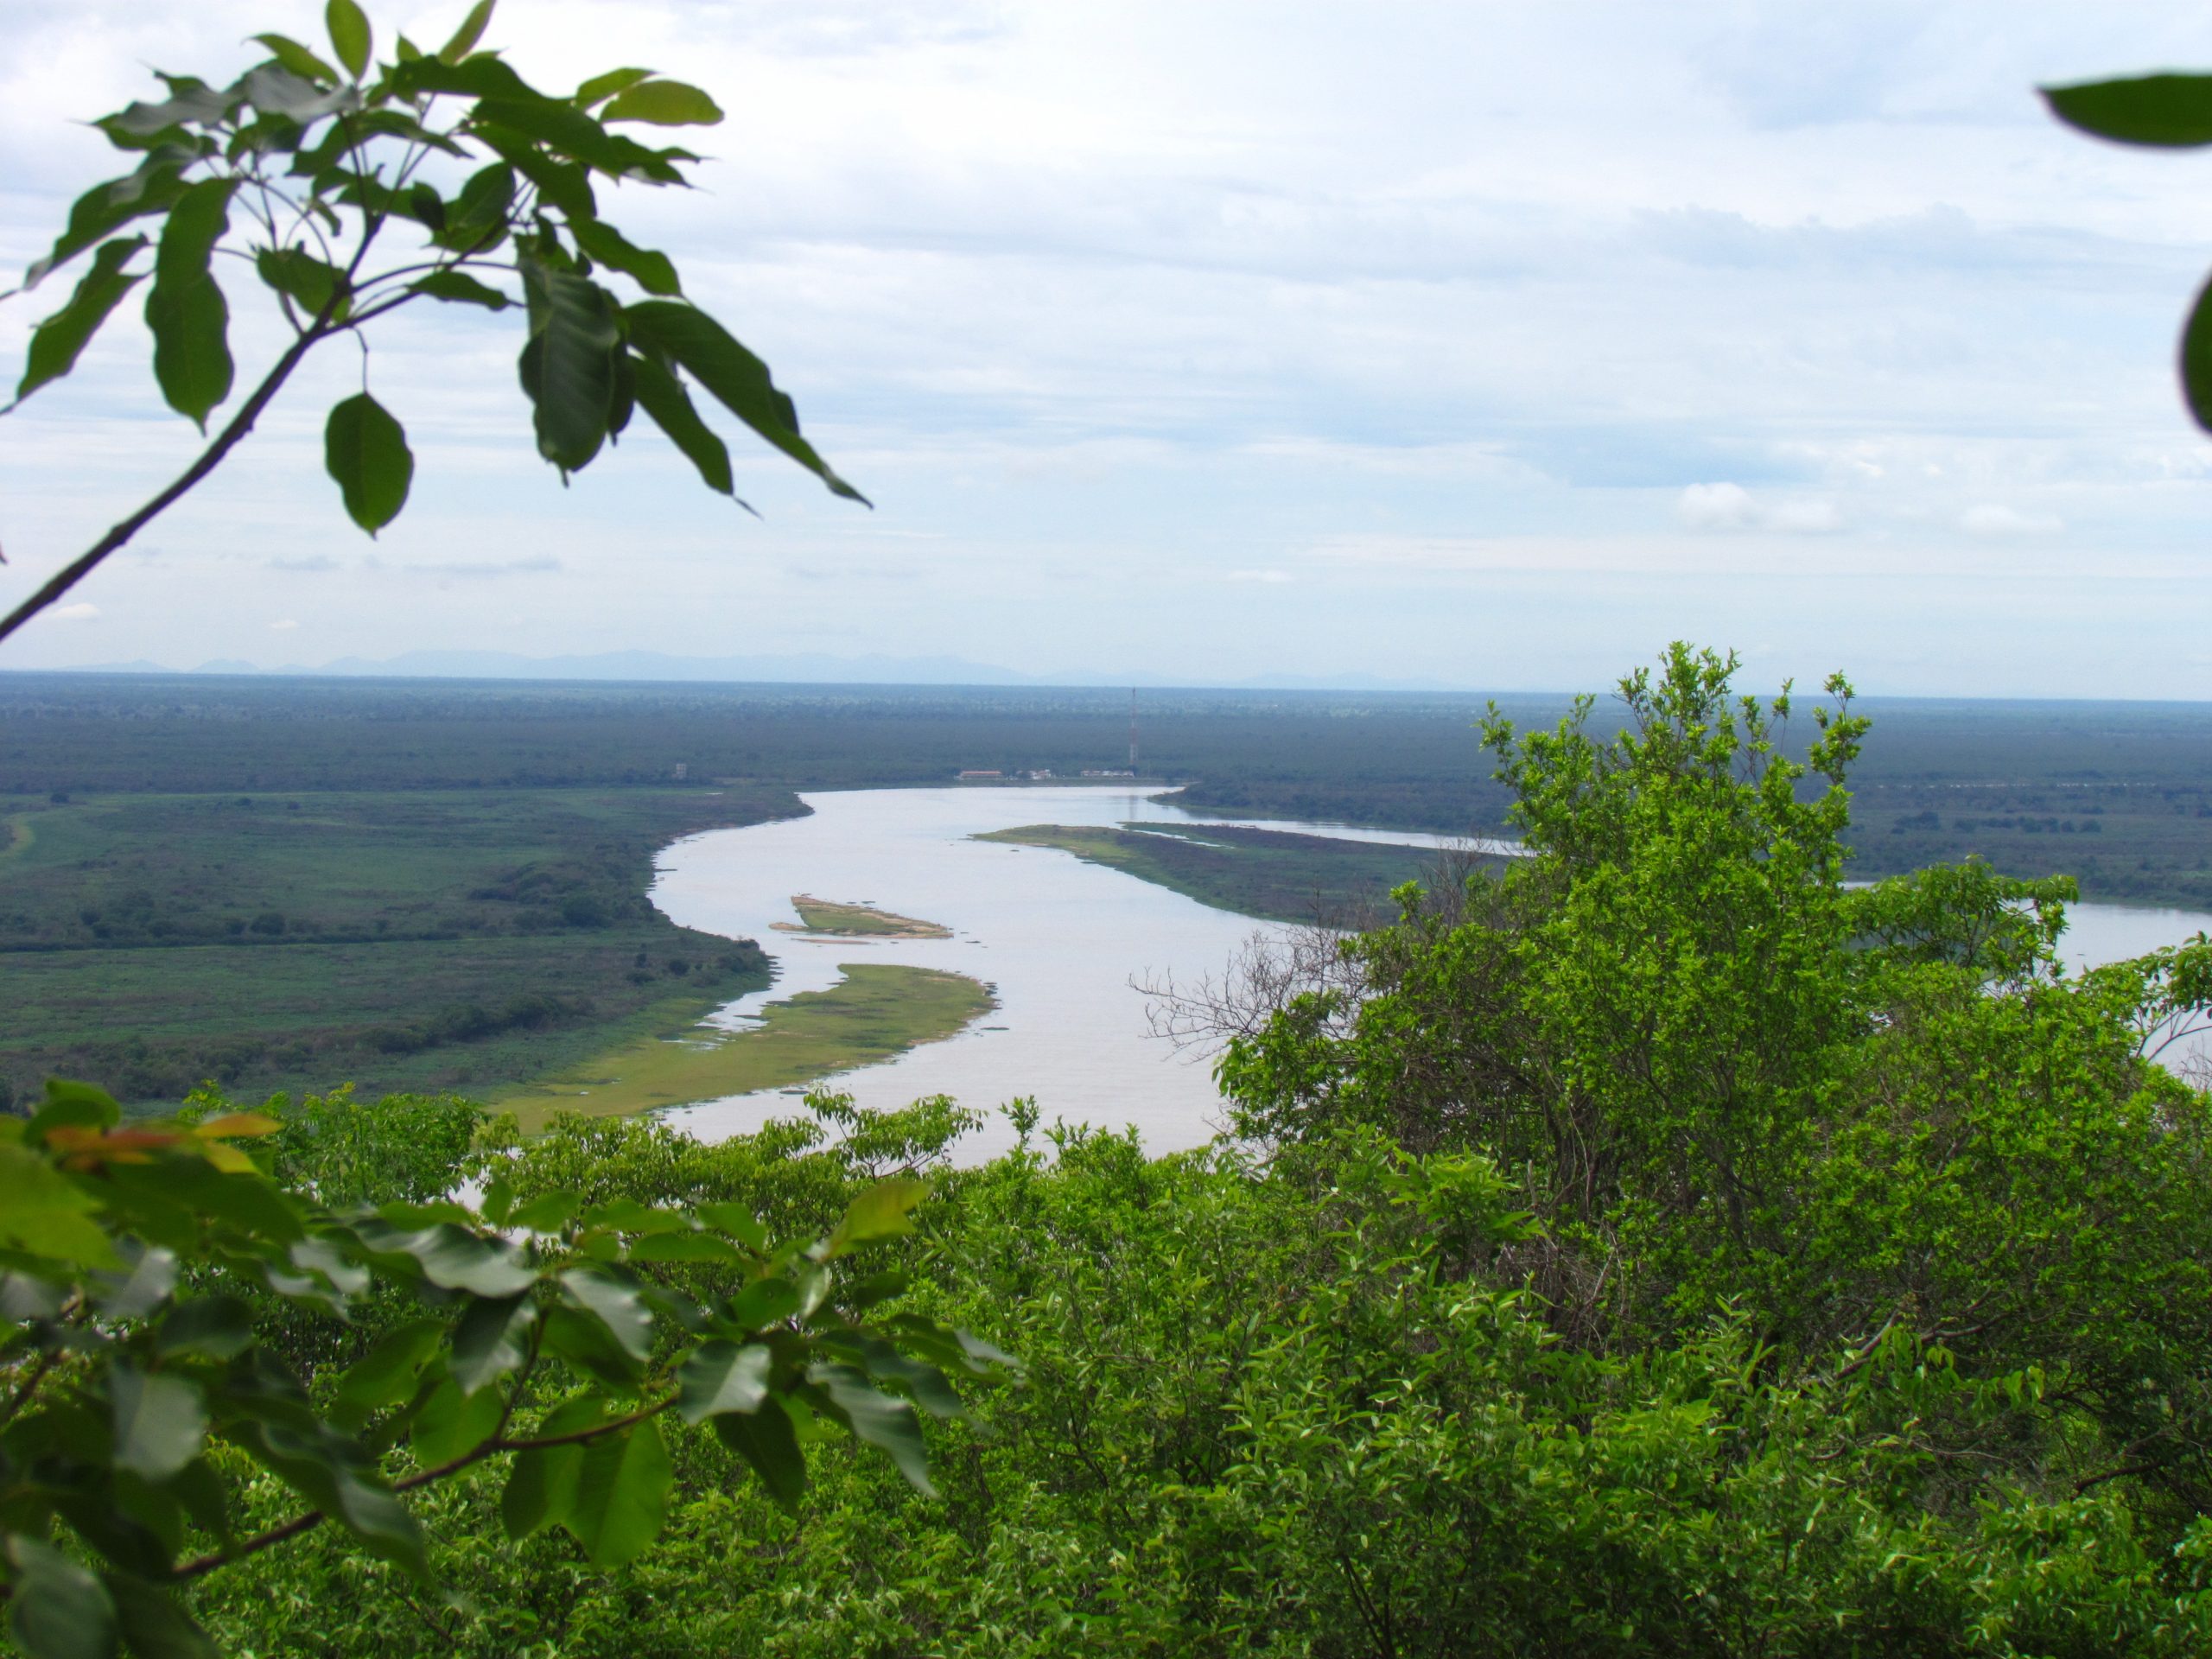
(1731, 506)
(1116, 311)
(1714, 506)
(285, 626)
(1808, 517)
(1992, 518)
(80, 612)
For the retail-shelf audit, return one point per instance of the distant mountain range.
(808, 668)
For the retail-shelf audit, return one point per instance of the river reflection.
(1058, 940)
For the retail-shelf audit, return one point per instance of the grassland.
(424, 939)
(879, 1010)
(832, 920)
(1267, 873)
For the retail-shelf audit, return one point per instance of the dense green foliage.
(207, 1358)
(1667, 1250)
(417, 941)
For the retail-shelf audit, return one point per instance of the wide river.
(1064, 946)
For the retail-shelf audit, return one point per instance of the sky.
(1481, 345)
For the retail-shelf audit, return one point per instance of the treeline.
(1404, 761)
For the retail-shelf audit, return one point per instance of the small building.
(1040, 775)
(977, 775)
(683, 770)
(1103, 772)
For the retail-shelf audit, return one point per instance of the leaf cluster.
(141, 1391)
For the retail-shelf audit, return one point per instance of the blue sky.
(1479, 345)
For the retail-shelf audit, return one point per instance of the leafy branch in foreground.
(139, 1397)
(2162, 111)
(324, 168)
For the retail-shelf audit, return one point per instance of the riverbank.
(877, 1010)
(1268, 875)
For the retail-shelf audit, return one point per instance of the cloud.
(1270, 576)
(80, 611)
(1805, 517)
(1731, 507)
(1993, 519)
(1714, 506)
(285, 626)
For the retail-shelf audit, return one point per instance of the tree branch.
(210, 458)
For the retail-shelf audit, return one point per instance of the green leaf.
(214, 1327)
(159, 1421)
(621, 1494)
(720, 1377)
(2196, 358)
(579, 1339)
(350, 34)
(453, 1258)
(194, 105)
(386, 1375)
(58, 1610)
(43, 1210)
(717, 361)
(766, 1441)
(631, 1215)
(471, 31)
(884, 1210)
(135, 1294)
(335, 1476)
(568, 366)
(57, 342)
(653, 271)
(273, 89)
(453, 1421)
(489, 1341)
(2167, 111)
(566, 130)
(736, 1219)
(665, 104)
(315, 286)
(364, 449)
(154, 189)
(483, 76)
(184, 308)
(81, 1105)
(684, 1246)
(887, 1424)
(600, 88)
(296, 58)
(564, 184)
(549, 1212)
(541, 1490)
(763, 1303)
(615, 1304)
(154, 1625)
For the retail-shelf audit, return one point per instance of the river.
(1058, 940)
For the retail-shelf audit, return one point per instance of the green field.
(428, 939)
(879, 1010)
(1266, 873)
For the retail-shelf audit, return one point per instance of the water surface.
(1059, 941)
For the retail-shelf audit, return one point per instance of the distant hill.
(805, 669)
